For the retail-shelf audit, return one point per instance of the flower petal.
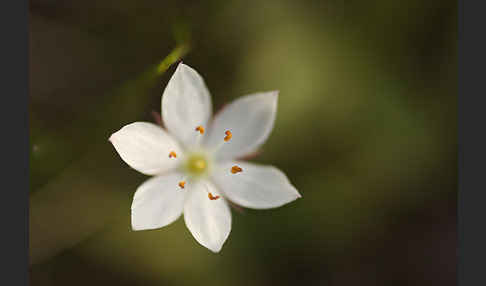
(157, 202)
(146, 147)
(250, 120)
(256, 186)
(186, 104)
(209, 221)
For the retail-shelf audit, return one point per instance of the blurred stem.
(53, 149)
(173, 57)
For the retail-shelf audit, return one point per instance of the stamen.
(200, 129)
(235, 169)
(181, 184)
(211, 197)
(228, 136)
(172, 154)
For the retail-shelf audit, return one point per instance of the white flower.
(195, 162)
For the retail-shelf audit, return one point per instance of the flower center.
(196, 164)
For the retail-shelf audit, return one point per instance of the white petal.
(158, 202)
(257, 186)
(186, 104)
(250, 120)
(209, 221)
(146, 147)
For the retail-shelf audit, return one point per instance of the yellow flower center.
(196, 164)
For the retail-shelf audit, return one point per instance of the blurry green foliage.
(366, 130)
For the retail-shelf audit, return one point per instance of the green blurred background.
(366, 131)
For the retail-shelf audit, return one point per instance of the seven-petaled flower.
(195, 162)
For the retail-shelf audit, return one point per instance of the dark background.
(366, 130)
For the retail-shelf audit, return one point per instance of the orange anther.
(211, 197)
(236, 169)
(181, 184)
(172, 154)
(228, 135)
(200, 129)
